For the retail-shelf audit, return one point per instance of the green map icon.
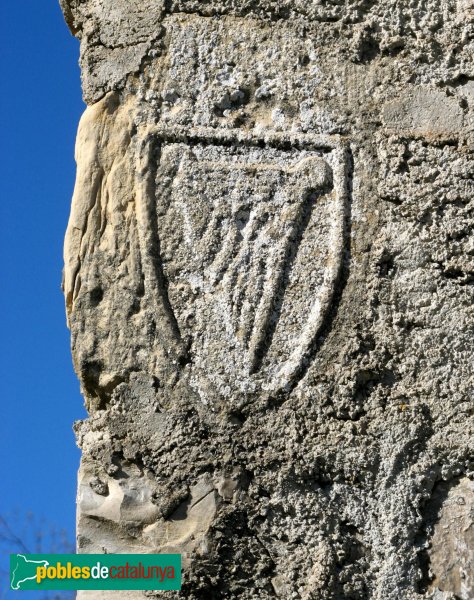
(23, 569)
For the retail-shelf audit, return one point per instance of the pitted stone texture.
(262, 185)
(115, 37)
(450, 556)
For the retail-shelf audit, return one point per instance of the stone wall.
(269, 273)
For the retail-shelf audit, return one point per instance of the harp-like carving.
(242, 233)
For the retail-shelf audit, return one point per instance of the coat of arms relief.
(251, 245)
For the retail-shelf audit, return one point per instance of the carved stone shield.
(251, 244)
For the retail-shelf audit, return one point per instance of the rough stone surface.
(269, 279)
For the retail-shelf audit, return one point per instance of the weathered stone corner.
(269, 284)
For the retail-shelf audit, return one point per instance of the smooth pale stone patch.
(424, 111)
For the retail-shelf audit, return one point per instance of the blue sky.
(40, 105)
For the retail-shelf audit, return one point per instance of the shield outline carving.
(290, 370)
